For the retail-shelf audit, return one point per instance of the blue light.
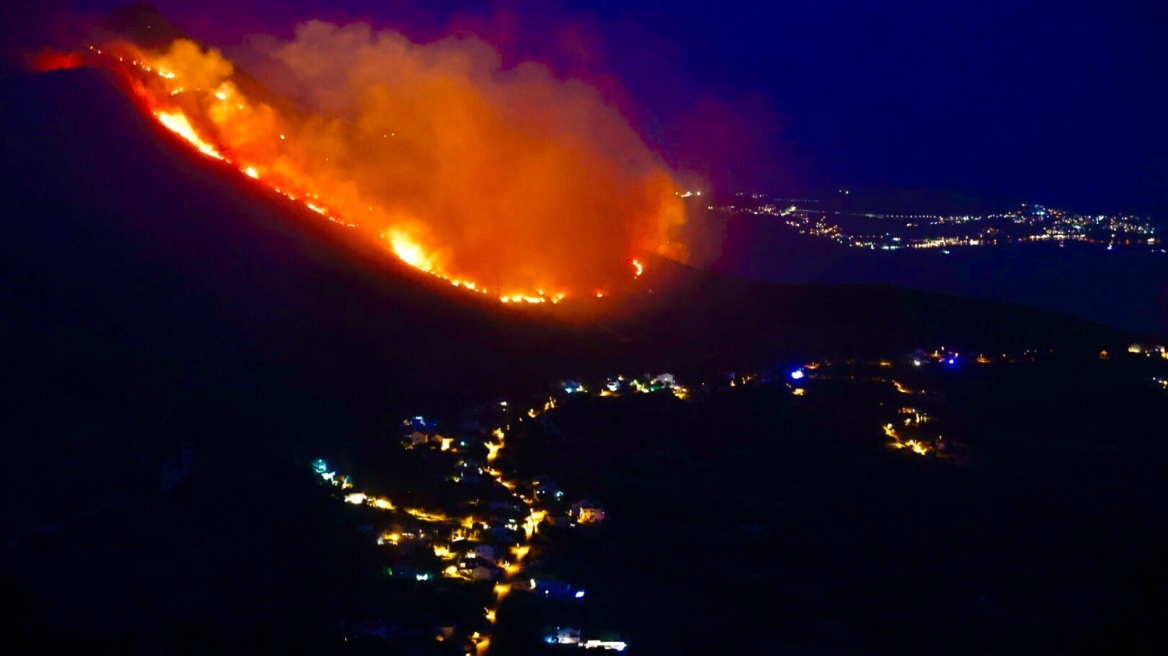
(580, 594)
(797, 374)
(319, 466)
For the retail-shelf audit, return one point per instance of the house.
(505, 536)
(484, 573)
(478, 568)
(563, 636)
(484, 551)
(547, 490)
(587, 512)
(417, 437)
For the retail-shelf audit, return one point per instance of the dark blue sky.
(1055, 102)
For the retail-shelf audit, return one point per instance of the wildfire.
(177, 123)
(409, 251)
(541, 221)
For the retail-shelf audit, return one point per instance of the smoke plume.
(507, 177)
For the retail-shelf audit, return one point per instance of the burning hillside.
(506, 182)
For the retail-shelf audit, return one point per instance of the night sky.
(1058, 103)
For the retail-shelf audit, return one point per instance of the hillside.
(156, 303)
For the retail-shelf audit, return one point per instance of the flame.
(177, 123)
(455, 169)
(409, 251)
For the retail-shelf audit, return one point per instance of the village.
(477, 523)
(481, 533)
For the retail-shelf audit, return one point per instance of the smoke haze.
(508, 177)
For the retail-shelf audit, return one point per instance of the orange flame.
(535, 215)
(177, 123)
(409, 251)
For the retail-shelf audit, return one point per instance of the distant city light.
(797, 374)
(1027, 224)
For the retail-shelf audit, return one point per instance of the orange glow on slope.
(52, 60)
(453, 170)
(410, 252)
(177, 123)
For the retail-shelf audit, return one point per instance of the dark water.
(1126, 288)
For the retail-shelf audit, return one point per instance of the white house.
(568, 636)
(666, 379)
(483, 573)
(587, 512)
(485, 551)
